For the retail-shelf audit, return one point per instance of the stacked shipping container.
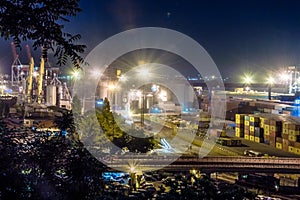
(282, 132)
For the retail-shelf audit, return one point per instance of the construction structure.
(37, 87)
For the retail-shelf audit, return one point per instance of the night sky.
(240, 36)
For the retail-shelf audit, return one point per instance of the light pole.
(143, 73)
(270, 82)
(112, 88)
(143, 106)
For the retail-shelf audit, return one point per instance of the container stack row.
(281, 132)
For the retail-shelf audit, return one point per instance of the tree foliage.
(76, 105)
(36, 166)
(133, 139)
(41, 21)
(107, 121)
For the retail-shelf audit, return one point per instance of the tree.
(107, 121)
(65, 122)
(41, 21)
(76, 105)
(90, 130)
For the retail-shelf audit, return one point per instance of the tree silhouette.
(41, 21)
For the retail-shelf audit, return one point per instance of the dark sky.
(240, 36)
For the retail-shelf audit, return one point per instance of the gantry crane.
(40, 82)
(29, 80)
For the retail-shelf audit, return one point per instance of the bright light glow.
(270, 80)
(139, 93)
(76, 74)
(141, 62)
(154, 88)
(163, 95)
(112, 87)
(284, 76)
(123, 78)
(248, 79)
(247, 89)
(35, 74)
(144, 72)
(132, 169)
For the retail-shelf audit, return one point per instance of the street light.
(113, 87)
(143, 73)
(247, 80)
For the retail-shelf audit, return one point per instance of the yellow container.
(257, 139)
(266, 132)
(237, 130)
(297, 132)
(261, 125)
(273, 128)
(278, 145)
(246, 137)
(262, 120)
(285, 131)
(292, 132)
(237, 134)
(285, 125)
(296, 150)
(291, 149)
(247, 123)
(292, 138)
(254, 119)
(252, 128)
(267, 127)
(251, 138)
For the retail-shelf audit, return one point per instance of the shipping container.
(266, 132)
(267, 127)
(278, 145)
(275, 134)
(297, 150)
(285, 131)
(239, 130)
(246, 136)
(285, 125)
(237, 134)
(258, 139)
(294, 138)
(246, 132)
(293, 132)
(295, 127)
(247, 123)
(285, 144)
(275, 123)
(291, 149)
(297, 145)
(256, 124)
(254, 119)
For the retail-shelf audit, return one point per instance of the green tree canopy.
(41, 21)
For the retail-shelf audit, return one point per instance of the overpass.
(230, 86)
(206, 164)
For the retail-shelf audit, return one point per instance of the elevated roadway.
(207, 164)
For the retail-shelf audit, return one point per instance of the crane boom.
(30, 79)
(40, 83)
